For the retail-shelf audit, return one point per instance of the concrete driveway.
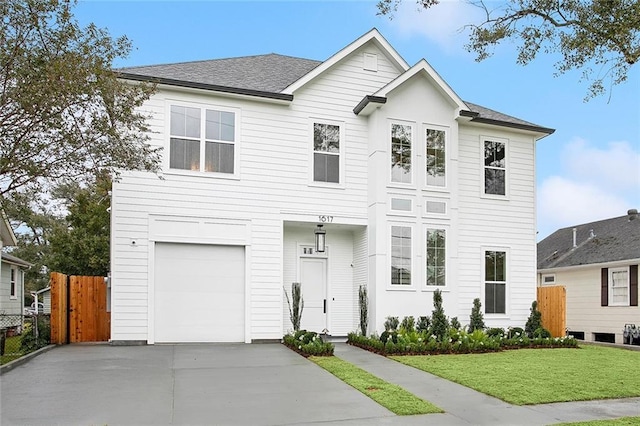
(224, 384)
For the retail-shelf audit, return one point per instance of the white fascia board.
(423, 67)
(6, 233)
(373, 35)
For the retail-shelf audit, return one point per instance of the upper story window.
(436, 257)
(495, 282)
(202, 139)
(401, 255)
(495, 168)
(326, 153)
(401, 153)
(13, 292)
(435, 158)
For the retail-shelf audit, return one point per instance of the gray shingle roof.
(15, 260)
(265, 73)
(615, 239)
(268, 75)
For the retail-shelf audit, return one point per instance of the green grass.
(12, 347)
(623, 421)
(392, 397)
(538, 376)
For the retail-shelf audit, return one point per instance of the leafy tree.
(64, 114)
(599, 37)
(82, 246)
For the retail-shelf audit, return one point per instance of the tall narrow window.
(495, 168)
(495, 285)
(400, 153)
(13, 292)
(202, 140)
(401, 255)
(435, 157)
(618, 287)
(436, 257)
(326, 153)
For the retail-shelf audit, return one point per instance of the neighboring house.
(416, 189)
(44, 296)
(11, 277)
(597, 263)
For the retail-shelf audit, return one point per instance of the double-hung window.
(495, 282)
(401, 255)
(401, 153)
(618, 287)
(436, 257)
(202, 140)
(435, 158)
(13, 283)
(495, 168)
(326, 153)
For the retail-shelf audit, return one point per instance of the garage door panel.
(199, 293)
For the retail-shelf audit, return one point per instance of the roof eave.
(612, 263)
(368, 104)
(209, 87)
(543, 131)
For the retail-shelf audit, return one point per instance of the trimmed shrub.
(476, 319)
(534, 321)
(408, 324)
(439, 322)
(541, 333)
(455, 323)
(423, 324)
(495, 332)
(308, 343)
(391, 324)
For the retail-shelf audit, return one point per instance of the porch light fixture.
(320, 239)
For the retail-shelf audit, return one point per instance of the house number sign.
(325, 219)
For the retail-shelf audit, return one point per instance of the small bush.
(439, 322)
(391, 324)
(455, 323)
(541, 333)
(408, 324)
(534, 321)
(515, 332)
(423, 324)
(308, 343)
(495, 332)
(476, 320)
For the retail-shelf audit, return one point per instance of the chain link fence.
(21, 334)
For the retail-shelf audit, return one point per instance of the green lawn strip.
(392, 397)
(623, 421)
(538, 376)
(12, 350)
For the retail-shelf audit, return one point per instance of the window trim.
(412, 125)
(414, 275)
(507, 288)
(610, 273)
(425, 127)
(483, 194)
(446, 285)
(341, 150)
(394, 212)
(13, 283)
(203, 107)
(544, 283)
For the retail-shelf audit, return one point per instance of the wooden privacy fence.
(79, 309)
(552, 304)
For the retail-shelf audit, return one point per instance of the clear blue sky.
(589, 169)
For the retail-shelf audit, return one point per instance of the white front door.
(313, 283)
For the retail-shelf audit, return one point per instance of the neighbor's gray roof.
(615, 240)
(267, 76)
(15, 260)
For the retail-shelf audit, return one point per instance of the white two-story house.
(415, 189)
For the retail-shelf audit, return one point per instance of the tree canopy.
(64, 114)
(601, 38)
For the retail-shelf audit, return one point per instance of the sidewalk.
(465, 406)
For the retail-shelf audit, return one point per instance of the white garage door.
(199, 293)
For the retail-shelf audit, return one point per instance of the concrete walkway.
(239, 384)
(464, 406)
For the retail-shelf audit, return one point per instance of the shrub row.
(308, 343)
(455, 342)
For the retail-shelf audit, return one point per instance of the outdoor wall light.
(320, 239)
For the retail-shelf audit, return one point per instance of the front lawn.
(392, 397)
(538, 376)
(12, 350)
(623, 421)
